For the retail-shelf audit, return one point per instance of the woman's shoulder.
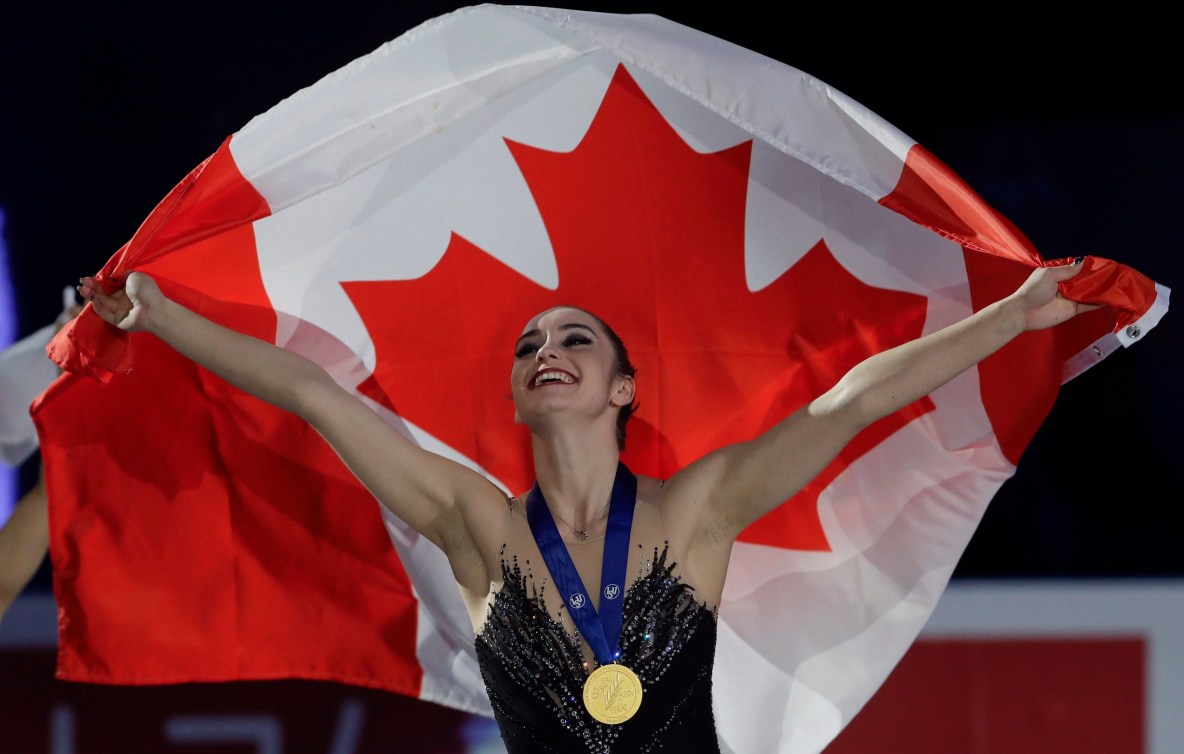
(686, 486)
(651, 492)
(648, 486)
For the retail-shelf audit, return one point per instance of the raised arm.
(451, 505)
(739, 483)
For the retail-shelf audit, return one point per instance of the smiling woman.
(826, 325)
(639, 603)
(564, 330)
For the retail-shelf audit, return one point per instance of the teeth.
(547, 377)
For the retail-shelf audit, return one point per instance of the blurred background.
(1069, 122)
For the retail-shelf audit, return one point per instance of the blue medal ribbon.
(601, 629)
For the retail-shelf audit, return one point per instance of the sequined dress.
(534, 674)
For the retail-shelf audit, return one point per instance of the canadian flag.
(750, 231)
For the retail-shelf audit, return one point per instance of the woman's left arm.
(739, 483)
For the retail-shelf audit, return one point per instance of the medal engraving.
(612, 693)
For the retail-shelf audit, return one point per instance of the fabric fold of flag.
(750, 231)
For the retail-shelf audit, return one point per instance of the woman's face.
(564, 362)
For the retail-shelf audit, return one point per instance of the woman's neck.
(576, 474)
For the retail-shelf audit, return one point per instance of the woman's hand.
(1040, 298)
(128, 308)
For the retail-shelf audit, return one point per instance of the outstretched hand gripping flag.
(750, 231)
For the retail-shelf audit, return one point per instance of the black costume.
(534, 670)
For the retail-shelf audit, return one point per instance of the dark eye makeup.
(525, 349)
(573, 340)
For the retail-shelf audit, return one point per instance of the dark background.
(1070, 123)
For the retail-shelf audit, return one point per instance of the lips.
(551, 376)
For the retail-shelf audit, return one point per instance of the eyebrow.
(568, 326)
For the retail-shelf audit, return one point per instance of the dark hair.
(624, 368)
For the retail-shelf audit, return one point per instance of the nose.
(546, 352)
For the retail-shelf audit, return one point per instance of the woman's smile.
(548, 376)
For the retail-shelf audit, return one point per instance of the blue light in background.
(481, 736)
(8, 475)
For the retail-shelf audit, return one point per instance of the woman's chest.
(532, 612)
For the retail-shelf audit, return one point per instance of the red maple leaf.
(649, 235)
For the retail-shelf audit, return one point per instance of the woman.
(593, 595)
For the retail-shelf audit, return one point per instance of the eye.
(525, 349)
(576, 339)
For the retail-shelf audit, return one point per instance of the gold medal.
(612, 693)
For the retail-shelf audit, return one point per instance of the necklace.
(583, 533)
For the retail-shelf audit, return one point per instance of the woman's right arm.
(445, 501)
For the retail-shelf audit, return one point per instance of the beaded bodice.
(534, 669)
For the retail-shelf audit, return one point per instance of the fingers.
(90, 291)
(87, 288)
(1061, 270)
(105, 306)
